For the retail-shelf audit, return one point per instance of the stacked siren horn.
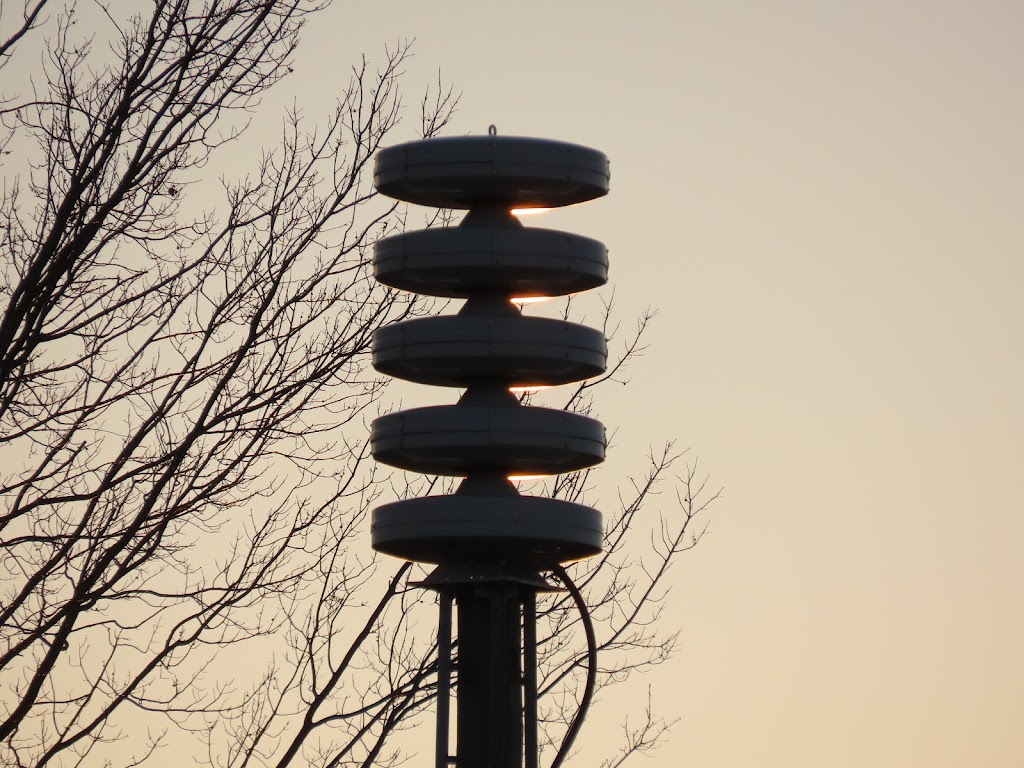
(490, 543)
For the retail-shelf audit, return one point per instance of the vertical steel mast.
(491, 545)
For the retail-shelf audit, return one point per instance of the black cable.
(588, 692)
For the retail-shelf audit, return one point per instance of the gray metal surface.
(464, 171)
(528, 530)
(457, 262)
(457, 351)
(458, 439)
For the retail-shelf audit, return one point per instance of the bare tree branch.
(184, 401)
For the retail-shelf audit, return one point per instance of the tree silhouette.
(184, 399)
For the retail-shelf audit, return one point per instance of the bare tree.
(182, 553)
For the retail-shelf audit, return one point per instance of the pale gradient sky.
(824, 201)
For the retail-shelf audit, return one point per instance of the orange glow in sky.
(529, 211)
(522, 300)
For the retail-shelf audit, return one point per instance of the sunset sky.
(823, 200)
(823, 203)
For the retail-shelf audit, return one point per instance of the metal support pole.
(490, 724)
(444, 677)
(530, 679)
